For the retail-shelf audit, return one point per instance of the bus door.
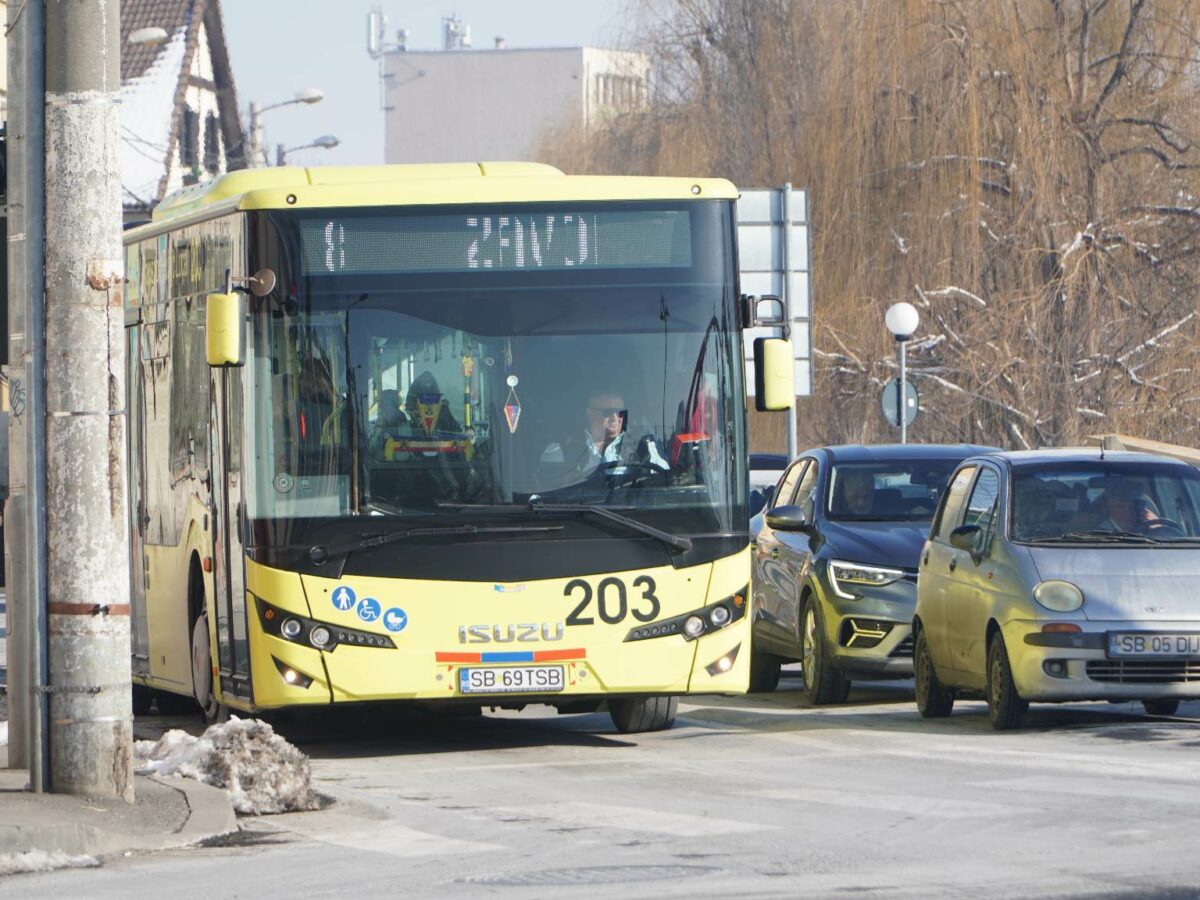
(228, 516)
(138, 516)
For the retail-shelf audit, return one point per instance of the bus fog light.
(290, 628)
(719, 616)
(290, 676)
(319, 636)
(723, 664)
(693, 627)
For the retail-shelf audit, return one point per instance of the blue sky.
(278, 47)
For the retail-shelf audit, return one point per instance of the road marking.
(381, 836)
(910, 804)
(629, 818)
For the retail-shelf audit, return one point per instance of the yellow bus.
(469, 434)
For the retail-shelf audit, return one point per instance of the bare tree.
(1026, 172)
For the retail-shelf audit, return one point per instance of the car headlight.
(1059, 596)
(844, 573)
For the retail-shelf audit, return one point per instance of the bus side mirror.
(224, 333)
(774, 378)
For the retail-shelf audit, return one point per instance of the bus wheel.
(764, 672)
(202, 679)
(634, 714)
(142, 698)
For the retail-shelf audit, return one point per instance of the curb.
(210, 813)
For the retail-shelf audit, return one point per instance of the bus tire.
(202, 667)
(143, 697)
(764, 672)
(636, 714)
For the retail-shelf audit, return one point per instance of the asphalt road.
(745, 797)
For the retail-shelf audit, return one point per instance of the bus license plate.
(1146, 644)
(511, 680)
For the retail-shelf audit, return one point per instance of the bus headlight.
(694, 626)
(719, 616)
(698, 622)
(290, 628)
(319, 636)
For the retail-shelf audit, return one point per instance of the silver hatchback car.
(1057, 576)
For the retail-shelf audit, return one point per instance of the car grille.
(1151, 671)
(904, 649)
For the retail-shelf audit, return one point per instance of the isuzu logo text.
(506, 634)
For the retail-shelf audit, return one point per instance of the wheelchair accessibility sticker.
(368, 609)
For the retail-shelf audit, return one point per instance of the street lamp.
(325, 142)
(152, 35)
(902, 320)
(309, 95)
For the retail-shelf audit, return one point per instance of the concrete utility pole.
(25, 232)
(87, 544)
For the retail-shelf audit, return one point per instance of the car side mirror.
(966, 537)
(788, 518)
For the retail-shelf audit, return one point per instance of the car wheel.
(823, 681)
(1006, 709)
(764, 672)
(635, 714)
(1160, 707)
(934, 700)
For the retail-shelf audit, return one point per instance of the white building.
(471, 105)
(179, 115)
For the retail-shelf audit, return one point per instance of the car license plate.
(1153, 644)
(511, 680)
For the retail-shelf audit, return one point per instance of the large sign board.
(774, 254)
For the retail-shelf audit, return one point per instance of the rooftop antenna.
(378, 46)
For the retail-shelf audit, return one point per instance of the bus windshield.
(423, 362)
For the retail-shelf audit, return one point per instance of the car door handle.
(925, 561)
(953, 564)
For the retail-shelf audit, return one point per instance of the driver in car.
(1127, 508)
(605, 440)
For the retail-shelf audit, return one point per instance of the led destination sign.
(553, 241)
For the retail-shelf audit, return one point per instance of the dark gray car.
(835, 562)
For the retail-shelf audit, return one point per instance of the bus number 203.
(612, 601)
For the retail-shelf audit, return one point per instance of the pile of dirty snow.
(262, 772)
(42, 861)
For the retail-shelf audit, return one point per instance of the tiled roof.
(171, 15)
(153, 83)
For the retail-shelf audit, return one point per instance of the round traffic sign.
(891, 406)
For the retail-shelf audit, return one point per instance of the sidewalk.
(168, 812)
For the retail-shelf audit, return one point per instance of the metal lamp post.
(325, 142)
(310, 95)
(902, 320)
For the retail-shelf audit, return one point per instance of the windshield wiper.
(1105, 536)
(319, 554)
(535, 505)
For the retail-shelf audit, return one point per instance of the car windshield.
(1134, 503)
(905, 490)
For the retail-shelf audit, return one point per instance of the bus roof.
(291, 187)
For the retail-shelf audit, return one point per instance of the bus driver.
(605, 440)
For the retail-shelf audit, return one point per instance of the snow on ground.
(42, 861)
(3, 733)
(262, 772)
